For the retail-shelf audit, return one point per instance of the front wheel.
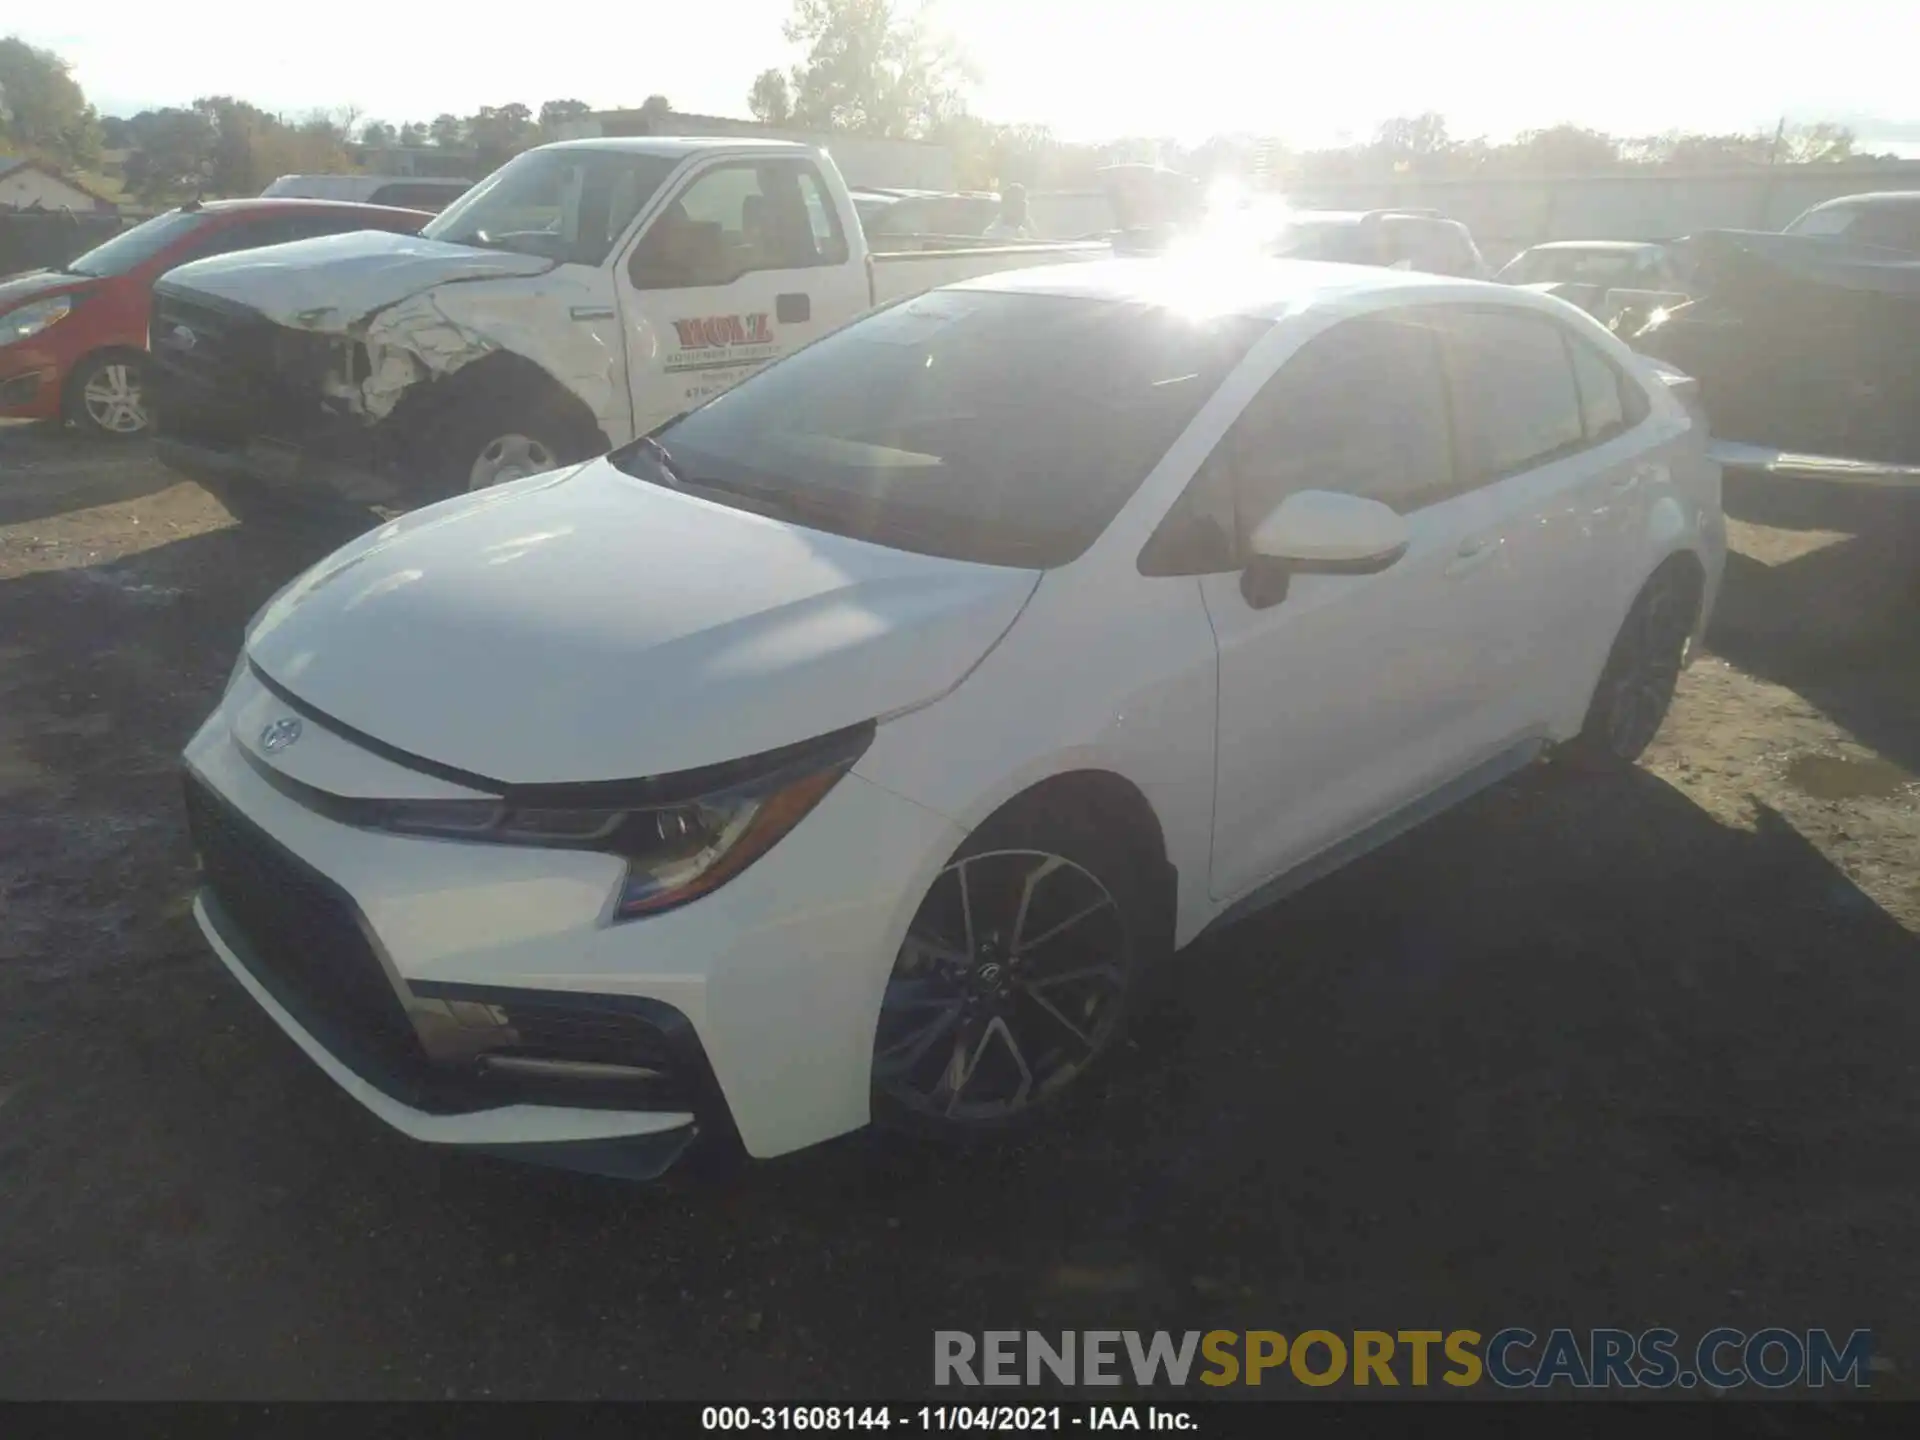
(484, 442)
(107, 397)
(1015, 978)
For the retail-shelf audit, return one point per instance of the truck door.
(745, 262)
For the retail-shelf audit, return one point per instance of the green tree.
(873, 68)
(1414, 142)
(448, 130)
(769, 101)
(555, 112)
(378, 132)
(45, 110)
(172, 153)
(413, 133)
(1564, 150)
(234, 164)
(500, 132)
(655, 108)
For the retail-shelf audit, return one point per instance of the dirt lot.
(1581, 1054)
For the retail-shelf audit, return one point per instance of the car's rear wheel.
(107, 397)
(1642, 672)
(1014, 981)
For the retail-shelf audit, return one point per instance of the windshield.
(559, 204)
(1573, 267)
(1836, 220)
(1002, 428)
(1342, 240)
(132, 248)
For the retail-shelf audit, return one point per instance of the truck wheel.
(106, 397)
(482, 443)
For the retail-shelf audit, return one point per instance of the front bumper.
(32, 394)
(773, 982)
(282, 473)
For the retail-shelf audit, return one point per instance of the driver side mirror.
(1320, 532)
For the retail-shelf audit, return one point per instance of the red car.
(73, 340)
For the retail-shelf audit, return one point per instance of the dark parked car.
(1889, 219)
(1801, 343)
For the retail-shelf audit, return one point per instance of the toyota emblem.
(181, 338)
(280, 734)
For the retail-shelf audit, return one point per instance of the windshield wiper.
(663, 458)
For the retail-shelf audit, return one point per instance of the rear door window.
(1515, 402)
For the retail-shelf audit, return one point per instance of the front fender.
(559, 322)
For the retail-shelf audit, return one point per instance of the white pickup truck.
(581, 295)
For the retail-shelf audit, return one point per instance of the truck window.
(558, 203)
(734, 219)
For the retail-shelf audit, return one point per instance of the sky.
(1317, 74)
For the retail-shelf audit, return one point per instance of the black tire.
(1636, 685)
(485, 421)
(103, 367)
(962, 1023)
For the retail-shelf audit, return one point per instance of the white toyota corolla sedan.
(845, 750)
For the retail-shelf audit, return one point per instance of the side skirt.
(1390, 827)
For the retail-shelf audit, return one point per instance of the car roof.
(1260, 288)
(1562, 246)
(676, 147)
(1875, 199)
(267, 204)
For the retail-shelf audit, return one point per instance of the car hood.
(592, 626)
(37, 284)
(331, 282)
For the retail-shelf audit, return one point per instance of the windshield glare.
(133, 248)
(1339, 240)
(560, 204)
(1002, 428)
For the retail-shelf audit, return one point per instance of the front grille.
(301, 938)
(209, 342)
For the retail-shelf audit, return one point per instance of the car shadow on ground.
(1839, 624)
(1575, 1054)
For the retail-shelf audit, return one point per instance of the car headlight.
(30, 319)
(682, 836)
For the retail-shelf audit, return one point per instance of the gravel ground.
(1582, 1053)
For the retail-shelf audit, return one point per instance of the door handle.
(794, 309)
(1474, 553)
(1621, 484)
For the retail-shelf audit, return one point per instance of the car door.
(1355, 694)
(1538, 415)
(747, 261)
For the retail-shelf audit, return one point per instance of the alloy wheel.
(1009, 984)
(114, 399)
